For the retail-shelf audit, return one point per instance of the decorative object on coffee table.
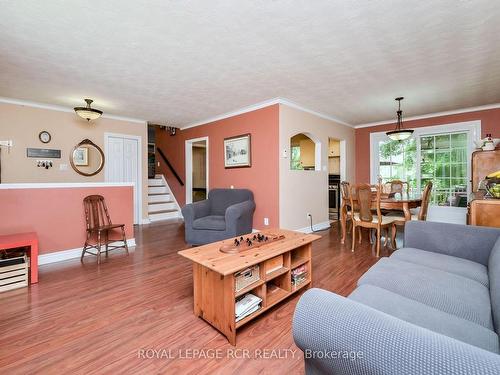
(218, 277)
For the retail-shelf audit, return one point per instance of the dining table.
(403, 202)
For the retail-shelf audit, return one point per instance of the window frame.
(472, 127)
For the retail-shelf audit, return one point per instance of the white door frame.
(137, 189)
(189, 166)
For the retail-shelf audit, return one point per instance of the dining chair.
(398, 186)
(345, 210)
(99, 226)
(421, 214)
(362, 216)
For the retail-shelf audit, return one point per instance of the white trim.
(319, 226)
(291, 104)
(146, 221)
(60, 108)
(430, 115)
(264, 104)
(56, 185)
(188, 146)
(137, 202)
(60, 256)
(180, 216)
(343, 159)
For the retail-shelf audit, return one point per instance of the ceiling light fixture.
(88, 113)
(399, 134)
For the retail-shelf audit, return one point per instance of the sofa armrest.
(193, 211)
(341, 336)
(239, 217)
(463, 241)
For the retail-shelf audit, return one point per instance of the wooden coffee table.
(214, 284)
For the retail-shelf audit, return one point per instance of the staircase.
(161, 202)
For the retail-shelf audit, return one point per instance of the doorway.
(196, 169)
(336, 173)
(123, 164)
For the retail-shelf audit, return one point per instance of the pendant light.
(399, 134)
(88, 113)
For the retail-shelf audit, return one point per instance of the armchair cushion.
(444, 291)
(457, 266)
(211, 222)
(226, 213)
(494, 273)
(221, 199)
(426, 317)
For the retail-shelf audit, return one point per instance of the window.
(302, 153)
(397, 161)
(443, 161)
(440, 154)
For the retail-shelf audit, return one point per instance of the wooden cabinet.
(484, 211)
(483, 163)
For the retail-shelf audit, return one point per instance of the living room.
(166, 187)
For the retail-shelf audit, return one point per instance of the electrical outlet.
(309, 215)
(266, 221)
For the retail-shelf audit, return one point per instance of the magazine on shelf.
(247, 305)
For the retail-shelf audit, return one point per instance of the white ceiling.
(184, 61)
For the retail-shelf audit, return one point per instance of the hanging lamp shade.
(399, 134)
(87, 112)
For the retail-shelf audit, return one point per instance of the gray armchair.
(226, 213)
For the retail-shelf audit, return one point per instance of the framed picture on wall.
(81, 156)
(237, 151)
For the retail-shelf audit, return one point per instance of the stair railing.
(165, 159)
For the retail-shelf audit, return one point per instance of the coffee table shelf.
(276, 273)
(214, 277)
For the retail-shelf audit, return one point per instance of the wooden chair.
(99, 226)
(398, 186)
(362, 216)
(345, 207)
(420, 215)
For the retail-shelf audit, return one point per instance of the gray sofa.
(226, 213)
(432, 307)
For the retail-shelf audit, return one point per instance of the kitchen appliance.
(334, 196)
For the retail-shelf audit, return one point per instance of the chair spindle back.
(366, 200)
(426, 197)
(96, 212)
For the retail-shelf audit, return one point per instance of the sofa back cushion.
(494, 275)
(221, 199)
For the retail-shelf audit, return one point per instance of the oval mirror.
(87, 158)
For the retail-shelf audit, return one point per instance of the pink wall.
(57, 215)
(490, 123)
(261, 178)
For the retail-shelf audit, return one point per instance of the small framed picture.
(81, 156)
(237, 151)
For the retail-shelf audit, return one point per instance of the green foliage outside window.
(295, 158)
(443, 160)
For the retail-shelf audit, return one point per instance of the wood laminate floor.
(110, 319)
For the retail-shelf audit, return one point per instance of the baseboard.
(319, 226)
(63, 255)
(146, 221)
